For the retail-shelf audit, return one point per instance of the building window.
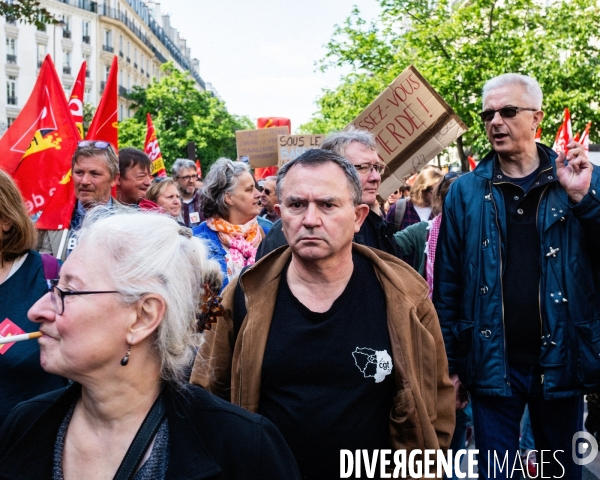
(87, 95)
(10, 120)
(11, 90)
(66, 26)
(67, 62)
(85, 29)
(41, 54)
(106, 72)
(11, 50)
(120, 112)
(107, 47)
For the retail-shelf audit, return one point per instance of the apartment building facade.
(134, 30)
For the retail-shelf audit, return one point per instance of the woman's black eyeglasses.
(58, 295)
(505, 112)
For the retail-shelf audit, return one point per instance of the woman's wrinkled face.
(89, 336)
(169, 200)
(243, 201)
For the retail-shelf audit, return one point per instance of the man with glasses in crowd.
(185, 174)
(268, 199)
(516, 281)
(359, 147)
(95, 171)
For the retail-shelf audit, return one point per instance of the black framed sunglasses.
(505, 112)
(57, 295)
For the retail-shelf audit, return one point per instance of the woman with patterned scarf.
(231, 205)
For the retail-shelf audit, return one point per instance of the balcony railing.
(147, 74)
(88, 74)
(120, 54)
(85, 39)
(39, 63)
(142, 70)
(128, 60)
(123, 91)
(11, 100)
(11, 58)
(11, 20)
(108, 48)
(135, 65)
(102, 86)
(66, 34)
(67, 70)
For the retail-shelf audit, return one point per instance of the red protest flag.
(76, 100)
(564, 134)
(538, 135)
(152, 149)
(269, 122)
(198, 169)
(585, 137)
(104, 125)
(472, 164)
(37, 147)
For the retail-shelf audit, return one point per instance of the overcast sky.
(260, 54)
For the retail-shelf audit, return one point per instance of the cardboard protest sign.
(292, 146)
(260, 145)
(411, 124)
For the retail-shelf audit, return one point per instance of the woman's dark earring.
(125, 359)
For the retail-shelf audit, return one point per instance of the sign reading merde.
(259, 145)
(292, 146)
(411, 123)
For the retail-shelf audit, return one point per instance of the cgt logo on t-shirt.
(373, 363)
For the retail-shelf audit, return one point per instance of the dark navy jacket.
(468, 293)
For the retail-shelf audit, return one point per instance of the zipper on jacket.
(501, 287)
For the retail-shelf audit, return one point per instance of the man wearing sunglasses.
(516, 281)
(185, 174)
(268, 199)
(95, 171)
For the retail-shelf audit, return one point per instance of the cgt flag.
(104, 125)
(152, 149)
(37, 148)
(564, 134)
(76, 100)
(58, 212)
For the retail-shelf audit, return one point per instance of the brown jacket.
(423, 413)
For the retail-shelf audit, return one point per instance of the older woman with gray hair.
(231, 207)
(123, 323)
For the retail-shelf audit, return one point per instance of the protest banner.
(412, 124)
(292, 146)
(259, 145)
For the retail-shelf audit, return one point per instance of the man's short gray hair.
(530, 85)
(144, 253)
(317, 157)
(221, 178)
(108, 154)
(339, 141)
(180, 164)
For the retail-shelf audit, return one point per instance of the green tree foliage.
(181, 114)
(458, 46)
(26, 11)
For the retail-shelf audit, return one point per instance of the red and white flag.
(76, 100)
(585, 137)
(564, 135)
(152, 149)
(105, 125)
(37, 148)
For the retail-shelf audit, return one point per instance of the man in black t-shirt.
(340, 347)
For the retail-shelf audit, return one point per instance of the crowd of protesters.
(220, 329)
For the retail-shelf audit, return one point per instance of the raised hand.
(574, 171)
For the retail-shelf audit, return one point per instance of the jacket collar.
(486, 166)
